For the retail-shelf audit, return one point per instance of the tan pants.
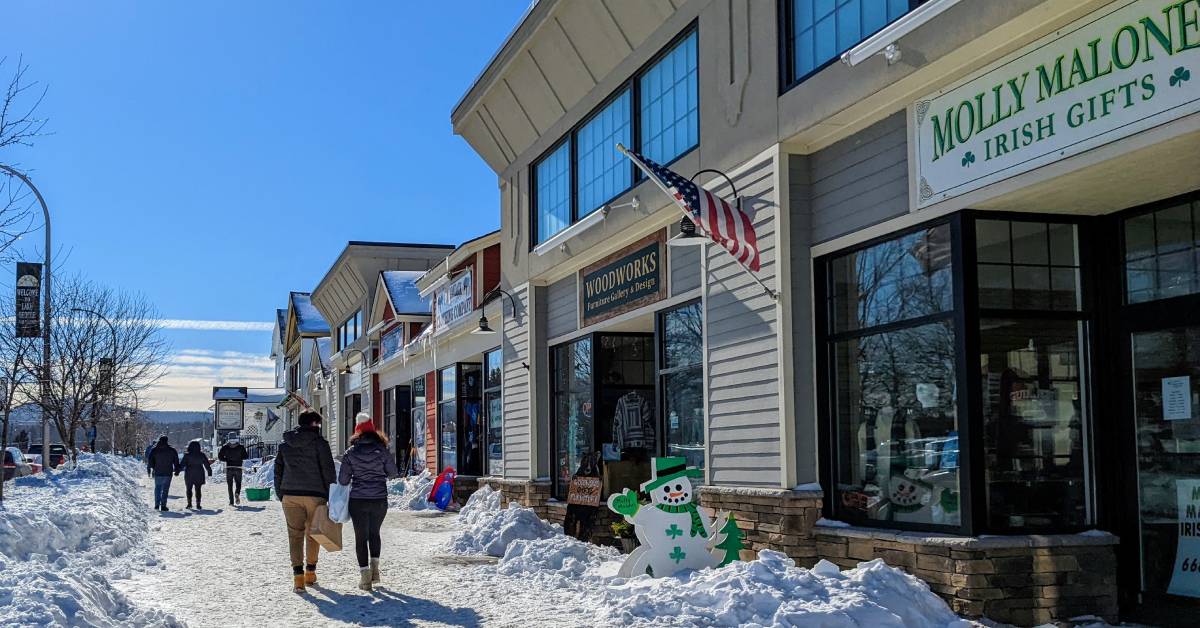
(298, 511)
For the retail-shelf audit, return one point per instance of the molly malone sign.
(1107, 76)
(623, 281)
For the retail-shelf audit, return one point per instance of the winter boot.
(298, 583)
(364, 579)
(374, 570)
(310, 574)
(189, 506)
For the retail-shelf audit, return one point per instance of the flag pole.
(624, 151)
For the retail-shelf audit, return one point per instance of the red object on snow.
(443, 488)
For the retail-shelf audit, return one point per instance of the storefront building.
(303, 328)
(346, 296)
(980, 219)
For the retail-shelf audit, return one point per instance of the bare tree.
(82, 340)
(19, 126)
(15, 374)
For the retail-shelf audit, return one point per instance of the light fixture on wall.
(687, 235)
(484, 329)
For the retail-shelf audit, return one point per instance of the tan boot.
(298, 583)
(310, 576)
(364, 579)
(374, 570)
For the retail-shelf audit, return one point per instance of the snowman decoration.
(673, 534)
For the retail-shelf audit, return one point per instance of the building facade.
(972, 339)
(304, 327)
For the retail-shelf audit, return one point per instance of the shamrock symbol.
(677, 555)
(1181, 74)
(674, 531)
(968, 159)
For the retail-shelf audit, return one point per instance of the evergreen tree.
(731, 541)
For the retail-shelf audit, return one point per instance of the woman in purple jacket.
(366, 467)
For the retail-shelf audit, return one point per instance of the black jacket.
(194, 464)
(163, 460)
(369, 464)
(233, 455)
(304, 464)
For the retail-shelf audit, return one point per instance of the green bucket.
(258, 494)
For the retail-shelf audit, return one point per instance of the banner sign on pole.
(29, 293)
(104, 387)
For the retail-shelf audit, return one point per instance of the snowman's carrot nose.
(675, 494)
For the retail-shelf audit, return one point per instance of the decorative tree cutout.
(731, 541)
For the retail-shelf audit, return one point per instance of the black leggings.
(191, 486)
(232, 475)
(367, 515)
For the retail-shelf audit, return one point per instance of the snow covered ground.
(89, 551)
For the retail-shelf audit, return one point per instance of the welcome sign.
(1130, 67)
(622, 282)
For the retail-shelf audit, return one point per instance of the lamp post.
(106, 386)
(45, 378)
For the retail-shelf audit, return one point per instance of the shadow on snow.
(384, 607)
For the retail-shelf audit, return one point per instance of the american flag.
(723, 223)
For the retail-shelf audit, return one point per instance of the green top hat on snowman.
(667, 469)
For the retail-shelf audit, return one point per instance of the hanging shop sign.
(1185, 580)
(230, 415)
(623, 281)
(29, 291)
(1104, 77)
(455, 302)
(584, 491)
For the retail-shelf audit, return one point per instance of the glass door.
(1166, 386)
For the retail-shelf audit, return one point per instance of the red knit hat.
(363, 423)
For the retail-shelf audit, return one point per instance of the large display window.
(680, 381)
(493, 406)
(956, 378)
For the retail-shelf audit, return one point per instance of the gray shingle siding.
(562, 310)
(859, 181)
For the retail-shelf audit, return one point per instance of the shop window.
(602, 172)
(681, 382)
(1034, 410)
(816, 32)
(573, 407)
(470, 400)
(1026, 265)
(552, 177)
(417, 455)
(389, 411)
(448, 417)
(1162, 250)
(670, 111)
(493, 406)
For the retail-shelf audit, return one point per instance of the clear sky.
(214, 155)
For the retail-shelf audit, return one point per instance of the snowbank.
(264, 477)
(64, 537)
(411, 493)
(490, 530)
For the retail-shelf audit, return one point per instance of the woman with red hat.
(366, 467)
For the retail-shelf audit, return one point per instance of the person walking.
(195, 463)
(162, 461)
(233, 454)
(303, 472)
(366, 467)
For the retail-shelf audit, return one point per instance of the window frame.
(785, 13)
(661, 372)
(633, 84)
(966, 316)
(498, 389)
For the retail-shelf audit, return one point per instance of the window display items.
(673, 534)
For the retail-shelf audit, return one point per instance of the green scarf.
(690, 508)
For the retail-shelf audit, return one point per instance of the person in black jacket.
(303, 472)
(162, 461)
(195, 464)
(233, 454)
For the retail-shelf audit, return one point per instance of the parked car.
(58, 453)
(15, 465)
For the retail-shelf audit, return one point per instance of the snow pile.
(411, 493)
(264, 477)
(489, 529)
(558, 558)
(772, 591)
(63, 537)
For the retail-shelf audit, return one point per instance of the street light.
(106, 386)
(485, 329)
(45, 392)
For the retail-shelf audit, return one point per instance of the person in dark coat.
(195, 464)
(162, 461)
(233, 454)
(366, 467)
(303, 472)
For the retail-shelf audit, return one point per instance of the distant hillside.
(177, 416)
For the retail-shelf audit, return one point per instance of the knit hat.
(363, 423)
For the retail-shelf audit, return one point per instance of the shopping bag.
(325, 531)
(339, 502)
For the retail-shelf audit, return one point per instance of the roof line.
(417, 245)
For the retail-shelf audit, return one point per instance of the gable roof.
(402, 292)
(265, 395)
(308, 319)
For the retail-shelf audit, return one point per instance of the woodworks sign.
(622, 282)
(1130, 67)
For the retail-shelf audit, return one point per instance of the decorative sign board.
(455, 301)
(29, 291)
(584, 491)
(230, 415)
(1131, 66)
(624, 281)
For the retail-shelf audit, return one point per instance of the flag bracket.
(737, 198)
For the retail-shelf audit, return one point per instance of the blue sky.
(215, 155)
